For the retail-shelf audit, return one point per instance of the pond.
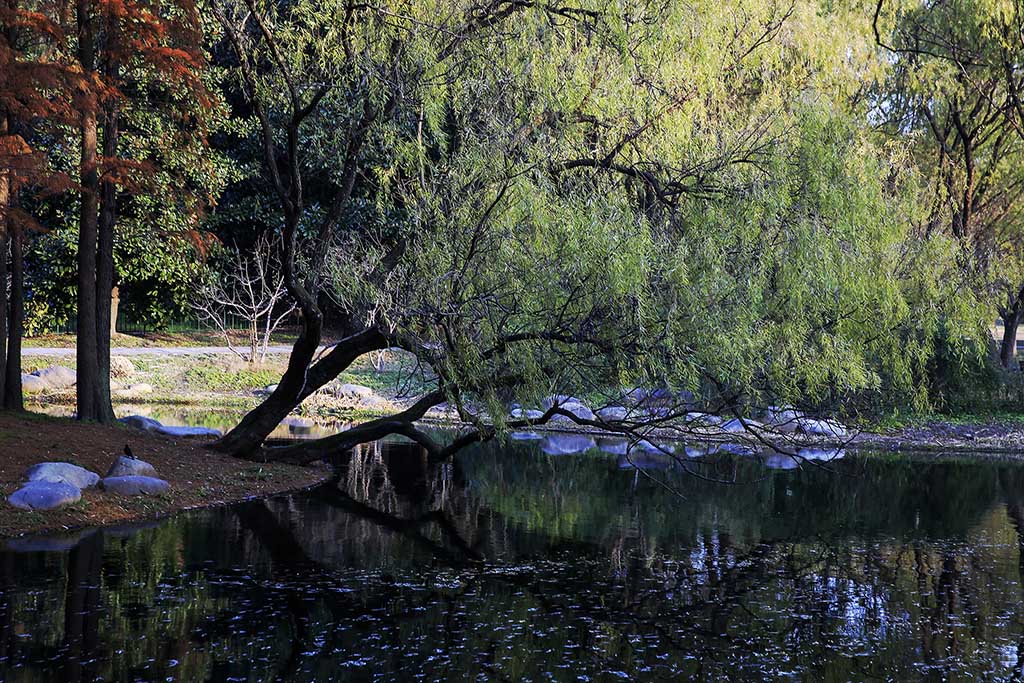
(512, 564)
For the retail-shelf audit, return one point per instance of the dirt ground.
(198, 477)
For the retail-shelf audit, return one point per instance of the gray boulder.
(560, 399)
(784, 419)
(127, 467)
(33, 384)
(57, 376)
(187, 431)
(702, 419)
(828, 428)
(146, 424)
(356, 391)
(566, 444)
(134, 485)
(44, 495)
(612, 413)
(79, 477)
(526, 414)
(733, 425)
(121, 366)
(578, 409)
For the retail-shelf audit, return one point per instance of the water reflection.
(511, 564)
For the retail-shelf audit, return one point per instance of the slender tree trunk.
(5, 197)
(105, 272)
(15, 329)
(1010, 316)
(87, 370)
(3, 311)
(1008, 345)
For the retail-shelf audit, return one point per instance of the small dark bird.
(128, 452)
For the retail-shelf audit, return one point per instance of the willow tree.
(580, 196)
(953, 90)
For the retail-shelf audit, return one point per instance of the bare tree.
(250, 287)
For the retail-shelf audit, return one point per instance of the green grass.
(216, 378)
(898, 421)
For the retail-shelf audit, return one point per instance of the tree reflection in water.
(508, 564)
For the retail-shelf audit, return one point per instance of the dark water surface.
(513, 565)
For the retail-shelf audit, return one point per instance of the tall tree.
(34, 92)
(534, 198)
(131, 51)
(952, 88)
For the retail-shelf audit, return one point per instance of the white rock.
(33, 384)
(187, 431)
(612, 413)
(351, 391)
(526, 414)
(79, 477)
(559, 399)
(829, 428)
(125, 467)
(57, 376)
(44, 495)
(578, 409)
(120, 366)
(146, 424)
(134, 486)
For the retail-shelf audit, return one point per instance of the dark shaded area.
(507, 564)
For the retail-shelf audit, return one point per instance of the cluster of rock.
(353, 395)
(59, 378)
(148, 424)
(50, 485)
(645, 406)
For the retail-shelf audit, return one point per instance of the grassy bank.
(198, 477)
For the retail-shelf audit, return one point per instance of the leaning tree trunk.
(16, 324)
(246, 439)
(105, 273)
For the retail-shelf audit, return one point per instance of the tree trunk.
(1011, 321)
(1008, 345)
(3, 312)
(5, 197)
(246, 439)
(87, 358)
(105, 273)
(15, 329)
(87, 370)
